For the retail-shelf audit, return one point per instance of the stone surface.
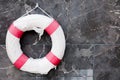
(92, 31)
(107, 62)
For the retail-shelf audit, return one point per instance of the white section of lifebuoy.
(34, 22)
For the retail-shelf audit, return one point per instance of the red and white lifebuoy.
(30, 22)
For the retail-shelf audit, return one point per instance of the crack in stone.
(43, 50)
(104, 50)
(3, 46)
(72, 19)
(8, 67)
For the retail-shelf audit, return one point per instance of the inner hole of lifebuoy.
(33, 47)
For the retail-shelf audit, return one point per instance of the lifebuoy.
(35, 22)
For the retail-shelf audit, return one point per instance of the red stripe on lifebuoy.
(15, 31)
(53, 59)
(21, 61)
(52, 27)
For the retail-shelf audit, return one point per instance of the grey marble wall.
(92, 31)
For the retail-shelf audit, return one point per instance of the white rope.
(37, 6)
(38, 30)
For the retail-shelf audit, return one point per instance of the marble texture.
(92, 31)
